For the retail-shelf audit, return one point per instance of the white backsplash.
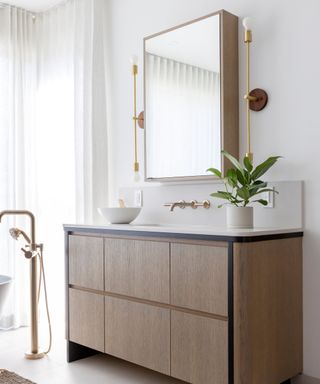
(287, 211)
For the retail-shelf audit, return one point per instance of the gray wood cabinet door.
(86, 262)
(199, 277)
(199, 349)
(137, 268)
(86, 319)
(138, 332)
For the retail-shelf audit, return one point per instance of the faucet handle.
(206, 204)
(27, 254)
(195, 204)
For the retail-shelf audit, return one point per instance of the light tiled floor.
(99, 369)
(54, 369)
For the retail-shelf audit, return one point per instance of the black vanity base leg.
(287, 382)
(76, 351)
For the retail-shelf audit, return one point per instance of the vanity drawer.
(199, 349)
(137, 268)
(199, 277)
(86, 262)
(86, 319)
(138, 332)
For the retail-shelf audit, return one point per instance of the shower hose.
(42, 279)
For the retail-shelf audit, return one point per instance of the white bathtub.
(5, 282)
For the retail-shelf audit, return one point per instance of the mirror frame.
(229, 93)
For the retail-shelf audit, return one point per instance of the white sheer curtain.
(183, 101)
(70, 76)
(63, 175)
(17, 96)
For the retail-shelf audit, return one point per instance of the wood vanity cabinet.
(204, 309)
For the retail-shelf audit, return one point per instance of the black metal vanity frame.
(76, 351)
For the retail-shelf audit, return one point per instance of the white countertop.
(186, 229)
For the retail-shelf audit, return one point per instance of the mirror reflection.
(182, 100)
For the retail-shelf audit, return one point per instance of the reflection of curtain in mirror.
(183, 109)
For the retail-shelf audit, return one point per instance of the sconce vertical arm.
(135, 72)
(248, 40)
(248, 154)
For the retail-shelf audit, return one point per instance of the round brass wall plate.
(141, 119)
(261, 99)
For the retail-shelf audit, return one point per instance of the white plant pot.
(239, 217)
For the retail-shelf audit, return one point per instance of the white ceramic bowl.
(119, 215)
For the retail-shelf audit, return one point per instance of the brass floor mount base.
(34, 356)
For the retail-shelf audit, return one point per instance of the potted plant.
(242, 187)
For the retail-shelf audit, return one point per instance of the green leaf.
(241, 177)
(226, 196)
(244, 193)
(261, 201)
(214, 171)
(258, 184)
(234, 161)
(247, 163)
(264, 190)
(247, 176)
(222, 195)
(262, 168)
(232, 178)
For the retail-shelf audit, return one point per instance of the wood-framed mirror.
(191, 98)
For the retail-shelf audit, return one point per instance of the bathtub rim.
(6, 280)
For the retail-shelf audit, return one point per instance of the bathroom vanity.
(202, 305)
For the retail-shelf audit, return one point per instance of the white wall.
(285, 62)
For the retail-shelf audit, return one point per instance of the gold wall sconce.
(257, 98)
(136, 119)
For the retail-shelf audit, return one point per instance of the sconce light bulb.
(136, 177)
(134, 60)
(247, 23)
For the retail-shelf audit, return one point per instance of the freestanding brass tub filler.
(34, 253)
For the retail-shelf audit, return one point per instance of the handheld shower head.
(16, 232)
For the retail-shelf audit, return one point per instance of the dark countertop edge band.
(188, 236)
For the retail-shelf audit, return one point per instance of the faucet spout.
(180, 203)
(32, 222)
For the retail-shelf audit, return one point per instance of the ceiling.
(33, 5)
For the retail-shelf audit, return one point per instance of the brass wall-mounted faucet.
(194, 204)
